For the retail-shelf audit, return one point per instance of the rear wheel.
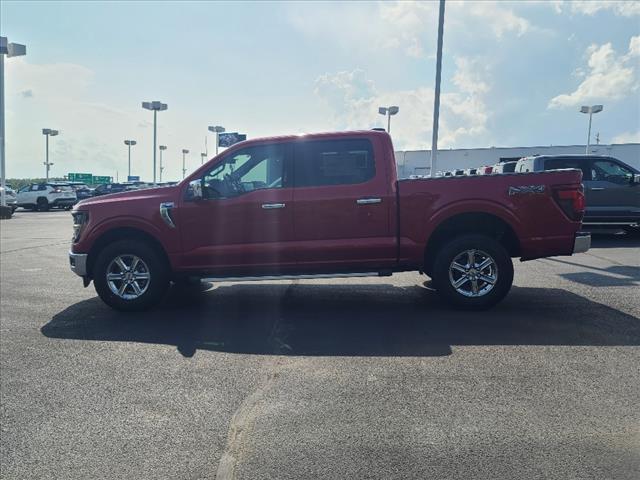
(130, 275)
(473, 272)
(42, 205)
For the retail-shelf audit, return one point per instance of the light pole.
(217, 130)
(203, 156)
(184, 169)
(162, 148)
(10, 50)
(47, 132)
(436, 95)
(156, 106)
(590, 110)
(388, 111)
(129, 143)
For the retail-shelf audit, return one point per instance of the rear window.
(61, 186)
(560, 163)
(509, 167)
(333, 162)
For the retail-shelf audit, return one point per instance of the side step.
(382, 273)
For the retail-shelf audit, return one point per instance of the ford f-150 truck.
(327, 205)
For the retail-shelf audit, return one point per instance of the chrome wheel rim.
(128, 276)
(473, 273)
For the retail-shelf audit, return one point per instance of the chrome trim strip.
(613, 224)
(272, 206)
(368, 201)
(78, 263)
(582, 243)
(165, 208)
(291, 277)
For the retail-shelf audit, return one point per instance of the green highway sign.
(80, 177)
(99, 180)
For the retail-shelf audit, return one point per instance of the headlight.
(80, 219)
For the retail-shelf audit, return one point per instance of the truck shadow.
(346, 320)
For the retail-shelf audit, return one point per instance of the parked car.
(10, 198)
(505, 167)
(612, 188)
(43, 196)
(324, 205)
(108, 188)
(82, 190)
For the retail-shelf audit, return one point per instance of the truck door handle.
(596, 189)
(368, 201)
(272, 206)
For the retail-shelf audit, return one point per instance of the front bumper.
(582, 243)
(78, 263)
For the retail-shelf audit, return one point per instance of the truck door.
(611, 194)
(342, 205)
(244, 224)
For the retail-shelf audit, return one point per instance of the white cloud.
(464, 114)
(610, 76)
(627, 137)
(406, 26)
(592, 7)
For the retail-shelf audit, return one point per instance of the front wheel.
(130, 276)
(42, 205)
(473, 272)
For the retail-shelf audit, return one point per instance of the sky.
(514, 74)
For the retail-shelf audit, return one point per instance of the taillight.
(571, 201)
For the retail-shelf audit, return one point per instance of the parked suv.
(43, 196)
(82, 190)
(108, 188)
(612, 188)
(10, 198)
(505, 167)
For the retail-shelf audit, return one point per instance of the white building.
(416, 162)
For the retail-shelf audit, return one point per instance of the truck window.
(246, 170)
(610, 171)
(333, 162)
(577, 163)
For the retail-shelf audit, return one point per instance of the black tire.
(42, 205)
(458, 246)
(156, 266)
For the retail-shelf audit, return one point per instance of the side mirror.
(194, 191)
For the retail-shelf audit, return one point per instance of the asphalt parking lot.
(360, 378)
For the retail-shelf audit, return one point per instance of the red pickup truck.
(324, 205)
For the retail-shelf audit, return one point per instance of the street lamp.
(162, 148)
(590, 110)
(436, 93)
(184, 169)
(388, 111)
(129, 143)
(217, 130)
(156, 106)
(10, 50)
(47, 132)
(203, 156)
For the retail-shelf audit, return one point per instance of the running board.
(385, 273)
